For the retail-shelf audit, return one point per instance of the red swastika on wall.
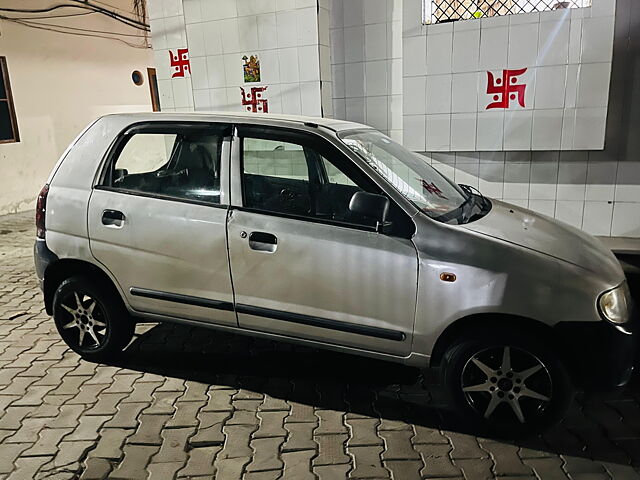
(254, 101)
(180, 62)
(506, 88)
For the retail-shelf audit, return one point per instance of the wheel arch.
(58, 272)
(482, 321)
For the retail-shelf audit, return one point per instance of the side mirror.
(373, 206)
(119, 174)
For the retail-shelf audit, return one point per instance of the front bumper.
(599, 356)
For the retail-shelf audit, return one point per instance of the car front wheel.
(91, 318)
(506, 384)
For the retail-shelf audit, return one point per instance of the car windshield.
(413, 177)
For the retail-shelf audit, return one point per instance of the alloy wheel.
(85, 314)
(507, 385)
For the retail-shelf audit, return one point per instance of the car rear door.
(301, 265)
(157, 220)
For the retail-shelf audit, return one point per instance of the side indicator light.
(448, 277)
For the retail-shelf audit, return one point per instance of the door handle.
(263, 242)
(113, 218)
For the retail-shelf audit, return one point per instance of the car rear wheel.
(91, 318)
(506, 384)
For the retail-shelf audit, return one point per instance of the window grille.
(438, 11)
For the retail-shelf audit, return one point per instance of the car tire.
(506, 383)
(91, 318)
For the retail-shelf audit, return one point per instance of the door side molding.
(376, 332)
(177, 298)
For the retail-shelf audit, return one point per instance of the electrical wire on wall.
(34, 18)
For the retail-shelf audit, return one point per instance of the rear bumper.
(600, 356)
(42, 257)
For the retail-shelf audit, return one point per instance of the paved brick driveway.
(192, 403)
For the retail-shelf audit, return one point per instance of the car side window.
(295, 179)
(183, 165)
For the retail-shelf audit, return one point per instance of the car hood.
(550, 237)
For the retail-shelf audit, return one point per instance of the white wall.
(293, 53)
(366, 63)
(597, 191)
(61, 83)
(567, 55)
(521, 157)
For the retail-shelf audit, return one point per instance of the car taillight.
(41, 211)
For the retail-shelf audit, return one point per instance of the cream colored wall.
(61, 83)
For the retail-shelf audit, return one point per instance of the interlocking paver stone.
(476, 468)
(149, 429)
(110, 444)
(403, 469)
(47, 444)
(219, 401)
(507, 461)
(10, 452)
(133, 466)
(465, 446)
(107, 404)
(437, 461)
(273, 404)
(265, 454)
(331, 450)
(230, 407)
(162, 471)
(68, 456)
(185, 415)
(26, 468)
(28, 431)
(126, 416)
(299, 412)
(13, 416)
(300, 437)
(271, 424)
(331, 422)
(297, 465)
(367, 463)
(174, 445)
(200, 462)
(363, 432)
(230, 468)
(88, 428)
(209, 430)
(397, 445)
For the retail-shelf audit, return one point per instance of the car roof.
(242, 117)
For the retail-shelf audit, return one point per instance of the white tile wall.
(567, 54)
(434, 100)
(284, 35)
(367, 67)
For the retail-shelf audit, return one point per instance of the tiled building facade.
(566, 149)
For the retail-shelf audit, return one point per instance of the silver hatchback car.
(330, 234)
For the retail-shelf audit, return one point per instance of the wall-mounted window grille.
(438, 11)
(8, 122)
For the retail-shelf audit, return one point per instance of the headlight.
(613, 305)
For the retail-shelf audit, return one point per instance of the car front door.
(302, 264)
(157, 220)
